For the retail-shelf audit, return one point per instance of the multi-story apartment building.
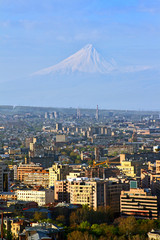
(61, 192)
(25, 168)
(37, 177)
(127, 168)
(94, 193)
(87, 192)
(8, 196)
(139, 203)
(112, 193)
(151, 178)
(58, 172)
(41, 197)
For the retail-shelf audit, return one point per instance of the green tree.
(84, 225)
(96, 229)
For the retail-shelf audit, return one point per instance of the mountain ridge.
(88, 60)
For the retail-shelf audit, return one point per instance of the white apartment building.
(41, 197)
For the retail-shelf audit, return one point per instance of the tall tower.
(97, 113)
(78, 113)
(46, 115)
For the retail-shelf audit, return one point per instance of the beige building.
(37, 178)
(154, 235)
(23, 169)
(15, 226)
(93, 193)
(139, 203)
(85, 193)
(127, 168)
(41, 197)
(61, 138)
(58, 172)
(157, 166)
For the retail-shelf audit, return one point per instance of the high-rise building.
(97, 113)
(51, 115)
(58, 172)
(78, 113)
(94, 193)
(46, 115)
(56, 114)
(4, 177)
(28, 141)
(58, 126)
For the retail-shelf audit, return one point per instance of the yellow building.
(58, 172)
(84, 194)
(74, 174)
(15, 226)
(127, 168)
(94, 193)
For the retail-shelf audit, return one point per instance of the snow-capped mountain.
(85, 78)
(86, 60)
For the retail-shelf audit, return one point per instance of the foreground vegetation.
(87, 224)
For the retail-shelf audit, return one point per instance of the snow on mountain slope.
(86, 60)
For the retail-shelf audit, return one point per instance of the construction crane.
(108, 161)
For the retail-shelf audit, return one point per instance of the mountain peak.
(88, 47)
(86, 60)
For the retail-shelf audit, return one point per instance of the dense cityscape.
(79, 120)
(79, 173)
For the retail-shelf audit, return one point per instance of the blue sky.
(35, 33)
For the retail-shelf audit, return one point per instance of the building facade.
(139, 203)
(41, 197)
(94, 193)
(37, 178)
(26, 168)
(58, 172)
